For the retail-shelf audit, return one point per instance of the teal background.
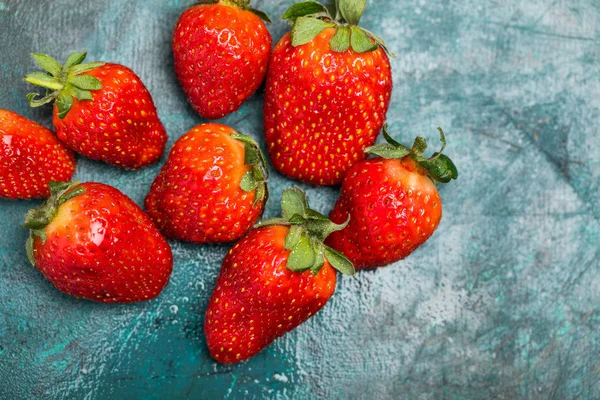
(502, 302)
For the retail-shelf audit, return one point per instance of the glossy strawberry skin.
(197, 195)
(257, 298)
(101, 246)
(221, 54)
(120, 126)
(393, 209)
(322, 109)
(30, 157)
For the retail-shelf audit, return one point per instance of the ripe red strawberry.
(392, 203)
(213, 187)
(328, 90)
(30, 157)
(221, 51)
(102, 110)
(92, 241)
(272, 280)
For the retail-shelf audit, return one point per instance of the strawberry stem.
(438, 167)
(38, 218)
(256, 178)
(309, 18)
(63, 82)
(308, 231)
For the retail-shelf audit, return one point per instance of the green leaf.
(293, 201)
(303, 9)
(258, 174)
(44, 100)
(265, 166)
(302, 256)
(30, 242)
(319, 250)
(360, 42)
(29, 249)
(47, 63)
(81, 68)
(339, 261)
(79, 190)
(38, 218)
(262, 193)
(252, 153)
(297, 219)
(248, 183)
(260, 14)
(272, 222)
(75, 59)
(352, 10)
(293, 237)
(251, 156)
(44, 80)
(56, 188)
(332, 9)
(306, 29)
(256, 178)
(340, 42)
(388, 151)
(315, 215)
(64, 104)
(78, 93)
(86, 82)
(322, 229)
(380, 42)
(419, 146)
(440, 168)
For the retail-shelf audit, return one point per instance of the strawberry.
(31, 157)
(328, 90)
(101, 110)
(91, 241)
(272, 280)
(392, 202)
(212, 188)
(221, 50)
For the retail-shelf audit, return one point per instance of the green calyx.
(38, 218)
(243, 4)
(438, 167)
(256, 178)
(309, 18)
(308, 230)
(63, 82)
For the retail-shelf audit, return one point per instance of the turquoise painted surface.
(502, 302)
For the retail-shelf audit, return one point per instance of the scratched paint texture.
(502, 302)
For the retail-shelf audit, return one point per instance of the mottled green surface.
(502, 302)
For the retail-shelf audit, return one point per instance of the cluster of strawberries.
(328, 87)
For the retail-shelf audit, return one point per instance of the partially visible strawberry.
(212, 188)
(30, 157)
(221, 49)
(392, 202)
(328, 89)
(92, 241)
(272, 280)
(101, 110)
